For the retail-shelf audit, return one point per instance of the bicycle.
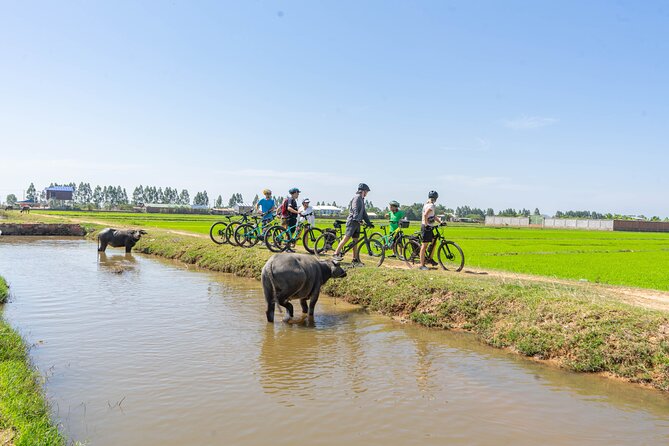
(248, 235)
(279, 239)
(218, 233)
(449, 254)
(374, 249)
(223, 232)
(232, 227)
(392, 241)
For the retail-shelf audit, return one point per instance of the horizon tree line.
(109, 197)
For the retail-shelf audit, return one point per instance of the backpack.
(284, 208)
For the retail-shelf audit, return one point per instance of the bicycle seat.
(341, 222)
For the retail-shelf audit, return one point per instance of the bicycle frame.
(389, 239)
(363, 240)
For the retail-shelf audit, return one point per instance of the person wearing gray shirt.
(356, 215)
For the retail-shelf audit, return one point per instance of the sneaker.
(424, 268)
(290, 250)
(337, 257)
(357, 262)
(431, 262)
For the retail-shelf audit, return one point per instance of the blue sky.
(556, 105)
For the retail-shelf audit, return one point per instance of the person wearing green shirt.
(395, 215)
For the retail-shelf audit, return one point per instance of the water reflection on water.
(143, 351)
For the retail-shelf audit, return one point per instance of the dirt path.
(641, 297)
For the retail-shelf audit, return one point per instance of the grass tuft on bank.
(578, 328)
(24, 415)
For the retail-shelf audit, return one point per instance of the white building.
(327, 211)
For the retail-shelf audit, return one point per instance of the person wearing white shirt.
(306, 212)
(428, 223)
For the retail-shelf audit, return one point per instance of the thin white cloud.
(529, 122)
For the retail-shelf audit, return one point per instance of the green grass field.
(618, 258)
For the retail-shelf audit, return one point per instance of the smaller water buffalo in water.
(287, 276)
(118, 238)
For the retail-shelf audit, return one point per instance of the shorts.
(353, 229)
(427, 233)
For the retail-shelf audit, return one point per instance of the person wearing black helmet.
(429, 221)
(356, 215)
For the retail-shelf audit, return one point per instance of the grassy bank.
(579, 328)
(24, 415)
(615, 258)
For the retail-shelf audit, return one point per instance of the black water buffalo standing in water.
(118, 238)
(287, 276)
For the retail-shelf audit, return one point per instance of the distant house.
(63, 193)
(26, 203)
(243, 209)
(327, 211)
(223, 211)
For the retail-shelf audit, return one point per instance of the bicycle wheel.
(230, 232)
(245, 235)
(217, 233)
(377, 236)
(374, 254)
(284, 240)
(398, 247)
(325, 244)
(309, 238)
(377, 252)
(411, 252)
(450, 256)
(270, 235)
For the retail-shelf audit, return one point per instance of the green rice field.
(618, 258)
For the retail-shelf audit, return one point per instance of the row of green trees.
(117, 197)
(109, 197)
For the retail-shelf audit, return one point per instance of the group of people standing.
(290, 212)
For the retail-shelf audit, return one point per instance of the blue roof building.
(59, 192)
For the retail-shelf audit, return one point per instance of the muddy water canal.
(140, 351)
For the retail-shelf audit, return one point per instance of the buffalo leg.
(268, 291)
(288, 306)
(305, 307)
(312, 301)
(270, 311)
(103, 246)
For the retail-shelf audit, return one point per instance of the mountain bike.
(218, 233)
(223, 232)
(279, 239)
(373, 249)
(392, 241)
(248, 235)
(449, 254)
